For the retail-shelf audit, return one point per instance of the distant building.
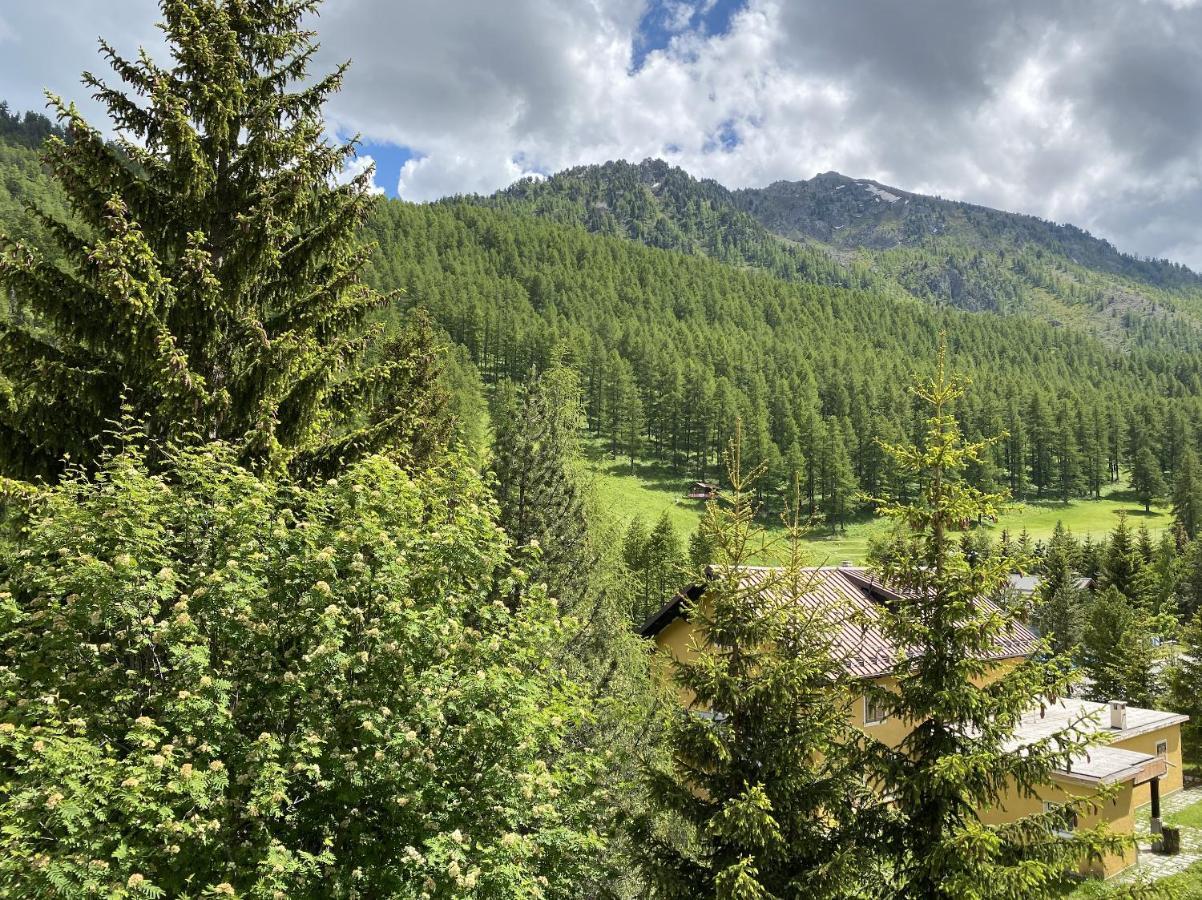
(1028, 585)
(702, 490)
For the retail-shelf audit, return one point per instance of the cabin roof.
(1101, 764)
(852, 598)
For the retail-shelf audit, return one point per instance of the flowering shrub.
(217, 685)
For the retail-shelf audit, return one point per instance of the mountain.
(837, 230)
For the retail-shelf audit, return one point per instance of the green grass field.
(651, 490)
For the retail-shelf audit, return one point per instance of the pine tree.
(1147, 480)
(1068, 459)
(212, 278)
(1187, 494)
(964, 708)
(763, 796)
(655, 562)
(1060, 614)
(1189, 583)
(837, 478)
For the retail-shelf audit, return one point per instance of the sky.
(1082, 111)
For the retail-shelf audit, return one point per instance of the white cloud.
(1081, 110)
(356, 167)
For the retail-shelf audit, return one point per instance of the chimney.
(1118, 714)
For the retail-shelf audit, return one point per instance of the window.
(1162, 748)
(874, 713)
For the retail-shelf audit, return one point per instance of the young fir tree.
(211, 281)
(1147, 479)
(1187, 494)
(1189, 582)
(1060, 616)
(960, 756)
(763, 794)
(1121, 562)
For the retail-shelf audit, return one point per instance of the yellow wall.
(1118, 813)
(1146, 743)
(893, 730)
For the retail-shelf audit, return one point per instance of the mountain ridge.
(880, 238)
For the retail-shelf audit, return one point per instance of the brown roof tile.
(853, 598)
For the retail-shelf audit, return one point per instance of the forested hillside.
(856, 232)
(672, 348)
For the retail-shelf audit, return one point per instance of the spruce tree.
(211, 283)
(960, 756)
(539, 486)
(1189, 583)
(762, 795)
(1121, 562)
(1187, 494)
(838, 480)
(1060, 616)
(1185, 681)
(1118, 652)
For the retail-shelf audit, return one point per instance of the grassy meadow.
(651, 489)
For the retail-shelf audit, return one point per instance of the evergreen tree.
(1189, 583)
(1117, 651)
(655, 562)
(540, 491)
(1185, 686)
(1147, 479)
(211, 283)
(1059, 616)
(1121, 563)
(838, 481)
(701, 550)
(1187, 494)
(1068, 459)
(964, 709)
(763, 795)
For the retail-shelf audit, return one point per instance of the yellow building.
(1139, 750)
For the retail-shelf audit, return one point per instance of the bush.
(212, 684)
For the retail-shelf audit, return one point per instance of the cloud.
(356, 167)
(1087, 111)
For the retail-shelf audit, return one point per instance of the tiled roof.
(853, 599)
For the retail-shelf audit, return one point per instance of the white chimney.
(1118, 714)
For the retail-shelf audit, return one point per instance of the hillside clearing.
(652, 490)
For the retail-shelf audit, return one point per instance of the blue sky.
(665, 19)
(389, 158)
